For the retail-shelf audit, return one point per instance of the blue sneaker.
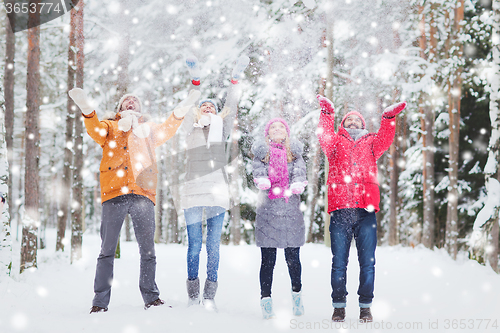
(266, 304)
(298, 307)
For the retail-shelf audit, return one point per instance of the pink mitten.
(325, 104)
(394, 110)
(298, 188)
(262, 183)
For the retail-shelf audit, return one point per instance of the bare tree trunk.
(174, 221)
(160, 198)
(8, 84)
(128, 234)
(329, 95)
(493, 253)
(454, 96)
(123, 60)
(235, 195)
(312, 196)
(31, 220)
(5, 233)
(427, 126)
(393, 237)
(65, 197)
(77, 213)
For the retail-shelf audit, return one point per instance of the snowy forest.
(439, 180)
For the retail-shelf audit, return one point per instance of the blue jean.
(345, 223)
(215, 218)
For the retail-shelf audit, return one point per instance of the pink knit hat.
(281, 120)
(356, 113)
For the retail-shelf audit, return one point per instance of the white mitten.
(298, 187)
(125, 124)
(262, 183)
(204, 120)
(80, 98)
(184, 106)
(240, 66)
(142, 131)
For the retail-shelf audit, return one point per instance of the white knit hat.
(119, 105)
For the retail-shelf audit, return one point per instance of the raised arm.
(167, 129)
(385, 134)
(326, 125)
(233, 94)
(97, 130)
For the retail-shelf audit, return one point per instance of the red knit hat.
(356, 113)
(281, 120)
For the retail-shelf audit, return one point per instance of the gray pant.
(141, 210)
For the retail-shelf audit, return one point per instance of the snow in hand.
(417, 290)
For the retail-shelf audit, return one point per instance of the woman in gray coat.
(279, 172)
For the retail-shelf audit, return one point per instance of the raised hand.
(394, 110)
(262, 183)
(239, 68)
(298, 187)
(325, 104)
(194, 69)
(184, 106)
(80, 97)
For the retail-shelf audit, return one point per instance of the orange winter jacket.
(116, 172)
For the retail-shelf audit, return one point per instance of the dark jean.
(141, 210)
(215, 219)
(345, 223)
(292, 257)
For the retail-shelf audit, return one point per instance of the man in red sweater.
(353, 197)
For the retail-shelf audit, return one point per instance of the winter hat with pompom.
(281, 120)
(209, 101)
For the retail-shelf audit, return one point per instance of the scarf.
(278, 171)
(130, 120)
(356, 133)
(216, 126)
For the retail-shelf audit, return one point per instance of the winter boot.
(193, 289)
(156, 302)
(298, 307)
(194, 70)
(338, 315)
(96, 309)
(365, 315)
(209, 295)
(266, 304)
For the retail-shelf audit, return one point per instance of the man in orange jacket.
(128, 177)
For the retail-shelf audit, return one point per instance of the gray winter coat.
(205, 182)
(279, 224)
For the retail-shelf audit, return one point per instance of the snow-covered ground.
(416, 290)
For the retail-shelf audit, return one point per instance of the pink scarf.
(278, 171)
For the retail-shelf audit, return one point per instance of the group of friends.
(128, 177)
